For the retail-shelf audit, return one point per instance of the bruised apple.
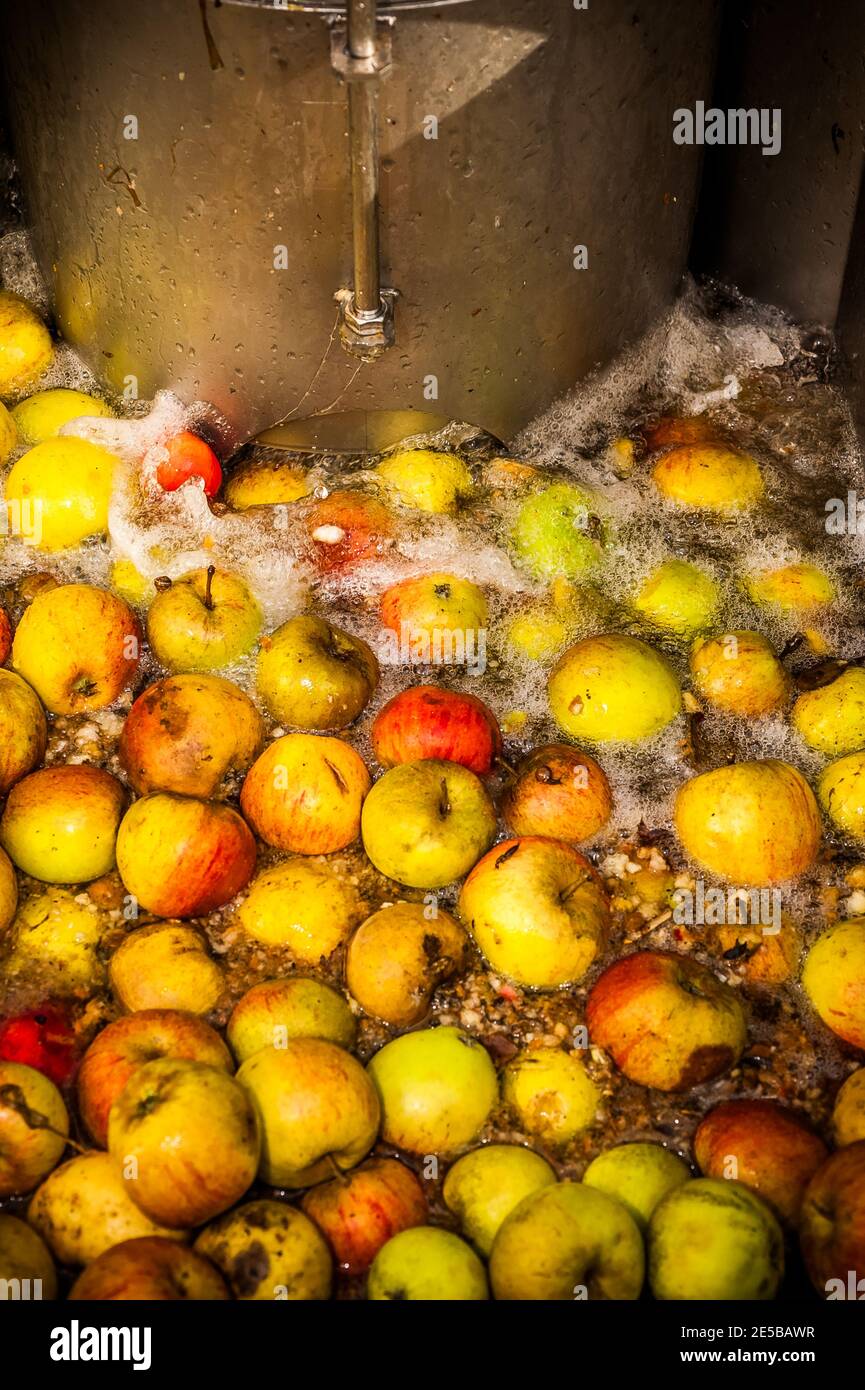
(28, 1152)
(551, 1093)
(361, 1210)
(613, 688)
(437, 1087)
(304, 794)
(398, 956)
(78, 646)
(303, 904)
(165, 966)
(833, 978)
(832, 1225)
(426, 823)
(666, 1021)
(84, 1207)
(739, 672)
(347, 527)
(56, 936)
(271, 1012)
(23, 730)
(766, 1146)
(181, 856)
(312, 675)
(269, 1250)
(149, 1269)
(558, 791)
(428, 722)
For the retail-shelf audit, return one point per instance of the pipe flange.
(353, 69)
(366, 333)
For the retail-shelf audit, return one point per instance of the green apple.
(426, 479)
(426, 1264)
(713, 1239)
(678, 597)
(271, 1012)
(831, 719)
(637, 1175)
(483, 1187)
(207, 619)
(553, 1097)
(313, 675)
(437, 1087)
(565, 1242)
(426, 823)
(613, 688)
(555, 532)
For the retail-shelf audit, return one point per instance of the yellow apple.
(165, 966)
(8, 890)
(638, 1175)
(260, 483)
(63, 489)
(55, 937)
(8, 434)
(206, 620)
(60, 823)
(483, 1187)
(438, 1088)
(796, 588)
(302, 904)
(551, 1093)
(130, 584)
(833, 977)
(42, 415)
(304, 794)
(398, 956)
(740, 673)
(708, 477)
(613, 688)
(28, 1151)
(24, 1256)
(678, 597)
(313, 675)
(269, 1250)
(26, 349)
(426, 823)
(841, 793)
(831, 718)
(272, 1012)
(848, 1114)
(427, 480)
(78, 646)
(23, 730)
(426, 1264)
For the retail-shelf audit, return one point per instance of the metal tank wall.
(554, 129)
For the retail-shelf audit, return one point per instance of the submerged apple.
(426, 823)
(613, 688)
(205, 620)
(709, 477)
(428, 722)
(313, 675)
(189, 457)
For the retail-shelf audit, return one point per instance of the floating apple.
(269, 1250)
(346, 528)
(26, 348)
(841, 793)
(833, 978)
(262, 483)
(437, 1088)
(25, 1256)
(426, 479)
(362, 1210)
(766, 1146)
(206, 620)
(127, 1043)
(564, 1242)
(560, 792)
(831, 718)
(428, 722)
(149, 1269)
(638, 1175)
(551, 1094)
(182, 857)
(537, 910)
(425, 824)
(295, 1007)
(711, 1240)
(304, 794)
(126, 580)
(436, 619)
(60, 823)
(427, 1264)
(613, 687)
(315, 676)
(558, 532)
(832, 1227)
(398, 956)
(709, 477)
(8, 890)
(318, 1110)
(78, 646)
(739, 672)
(61, 490)
(538, 633)
(302, 904)
(754, 822)
(678, 597)
(42, 415)
(797, 588)
(484, 1186)
(185, 1138)
(666, 1021)
(189, 734)
(28, 1149)
(678, 429)
(189, 457)
(23, 730)
(42, 1038)
(165, 966)
(55, 938)
(8, 434)
(848, 1114)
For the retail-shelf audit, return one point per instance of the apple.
(666, 1021)
(269, 1250)
(189, 457)
(26, 348)
(557, 532)
(304, 905)
(714, 1240)
(61, 491)
(484, 1186)
(678, 429)
(538, 632)
(638, 1175)
(165, 966)
(766, 1146)
(551, 1094)
(754, 822)
(426, 479)
(832, 1225)
(148, 1269)
(613, 688)
(831, 719)
(797, 588)
(272, 1012)
(34, 1124)
(559, 792)
(126, 579)
(567, 1242)
(426, 1264)
(841, 793)
(8, 434)
(537, 910)
(427, 722)
(438, 619)
(206, 620)
(78, 646)
(848, 1115)
(346, 528)
(318, 1110)
(23, 730)
(304, 794)
(83, 1208)
(438, 1088)
(181, 856)
(709, 477)
(678, 597)
(43, 415)
(60, 823)
(8, 890)
(127, 1043)
(25, 1257)
(43, 1038)
(833, 978)
(190, 734)
(397, 958)
(313, 675)
(184, 1136)
(5, 636)
(425, 824)
(55, 939)
(359, 1212)
(738, 672)
(263, 483)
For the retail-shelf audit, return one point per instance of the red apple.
(559, 791)
(832, 1224)
(769, 1148)
(42, 1038)
(181, 857)
(127, 1044)
(149, 1269)
(189, 457)
(360, 1212)
(5, 636)
(426, 722)
(666, 1021)
(346, 527)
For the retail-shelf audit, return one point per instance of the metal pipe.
(363, 147)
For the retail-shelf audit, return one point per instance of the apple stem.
(444, 800)
(14, 1097)
(338, 1173)
(208, 596)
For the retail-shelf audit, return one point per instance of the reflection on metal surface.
(352, 431)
